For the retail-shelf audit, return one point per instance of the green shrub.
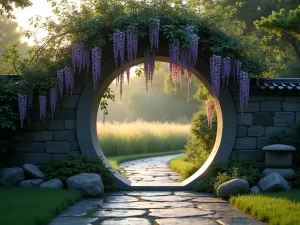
(241, 167)
(75, 164)
(245, 168)
(206, 185)
(280, 137)
(9, 121)
(222, 178)
(203, 138)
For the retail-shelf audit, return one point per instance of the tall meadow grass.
(139, 137)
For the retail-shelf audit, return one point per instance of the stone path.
(150, 170)
(153, 208)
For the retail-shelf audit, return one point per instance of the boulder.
(33, 171)
(272, 183)
(11, 176)
(233, 187)
(88, 184)
(288, 174)
(30, 183)
(254, 190)
(53, 183)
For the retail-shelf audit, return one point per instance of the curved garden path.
(153, 207)
(150, 170)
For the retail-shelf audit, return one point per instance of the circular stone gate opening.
(87, 110)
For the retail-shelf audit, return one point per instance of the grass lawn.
(33, 206)
(282, 208)
(180, 166)
(141, 137)
(115, 161)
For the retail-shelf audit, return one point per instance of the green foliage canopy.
(97, 20)
(281, 22)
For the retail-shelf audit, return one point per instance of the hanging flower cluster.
(22, 100)
(225, 72)
(215, 71)
(244, 90)
(210, 111)
(184, 58)
(236, 69)
(80, 57)
(96, 64)
(53, 98)
(149, 66)
(60, 79)
(119, 47)
(131, 43)
(222, 69)
(42, 103)
(69, 79)
(154, 33)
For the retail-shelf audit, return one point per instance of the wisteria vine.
(154, 34)
(149, 66)
(183, 58)
(22, 100)
(209, 111)
(96, 64)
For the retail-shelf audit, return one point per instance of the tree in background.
(6, 6)
(283, 24)
(11, 46)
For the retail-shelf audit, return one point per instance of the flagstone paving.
(154, 208)
(150, 170)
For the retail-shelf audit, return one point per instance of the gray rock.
(120, 199)
(279, 147)
(254, 190)
(30, 183)
(54, 183)
(11, 176)
(33, 171)
(288, 174)
(126, 221)
(88, 184)
(273, 182)
(186, 221)
(179, 212)
(171, 198)
(119, 213)
(233, 187)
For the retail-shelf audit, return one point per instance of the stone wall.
(41, 141)
(268, 112)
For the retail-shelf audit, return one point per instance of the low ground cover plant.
(275, 208)
(239, 167)
(140, 137)
(75, 164)
(33, 206)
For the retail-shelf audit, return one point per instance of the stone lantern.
(278, 159)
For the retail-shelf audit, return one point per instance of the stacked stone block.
(267, 112)
(41, 141)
